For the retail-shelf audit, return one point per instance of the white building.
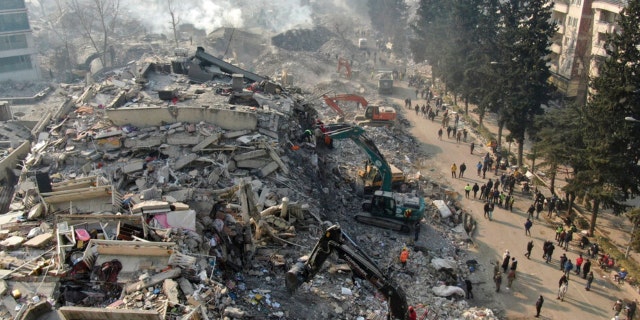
(18, 58)
(578, 45)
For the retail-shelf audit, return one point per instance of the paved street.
(506, 232)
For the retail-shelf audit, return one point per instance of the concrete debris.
(183, 189)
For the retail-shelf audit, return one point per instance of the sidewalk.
(615, 228)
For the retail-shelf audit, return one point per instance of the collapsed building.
(179, 188)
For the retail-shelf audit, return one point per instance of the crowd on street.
(500, 191)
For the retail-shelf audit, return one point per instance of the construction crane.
(344, 63)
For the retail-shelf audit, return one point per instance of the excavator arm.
(332, 241)
(358, 135)
(331, 101)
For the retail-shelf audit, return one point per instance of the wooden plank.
(80, 313)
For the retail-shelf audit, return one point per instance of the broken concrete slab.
(268, 169)
(12, 241)
(250, 155)
(184, 161)
(133, 166)
(39, 240)
(182, 139)
(252, 163)
(207, 141)
(144, 142)
(235, 134)
(170, 289)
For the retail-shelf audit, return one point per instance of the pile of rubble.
(171, 190)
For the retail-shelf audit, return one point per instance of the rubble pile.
(302, 39)
(150, 193)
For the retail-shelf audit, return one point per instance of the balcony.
(560, 29)
(614, 6)
(556, 48)
(561, 6)
(604, 27)
(598, 50)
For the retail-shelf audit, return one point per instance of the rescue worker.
(404, 256)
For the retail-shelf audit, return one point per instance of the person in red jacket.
(412, 314)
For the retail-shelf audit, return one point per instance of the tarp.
(439, 263)
(445, 291)
(442, 207)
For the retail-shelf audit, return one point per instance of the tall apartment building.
(18, 59)
(577, 47)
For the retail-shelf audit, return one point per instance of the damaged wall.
(12, 159)
(154, 116)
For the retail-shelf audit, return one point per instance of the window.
(17, 41)
(572, 22)
(12, 4)
(14, 22)
(17, 63)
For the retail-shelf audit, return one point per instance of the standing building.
(577, 47)
(18, 58)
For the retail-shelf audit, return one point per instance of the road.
(506, 232)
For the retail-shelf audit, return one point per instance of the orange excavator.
(372, 116)
(332, 101)
(344, 63)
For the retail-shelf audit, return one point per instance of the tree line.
(494, 54)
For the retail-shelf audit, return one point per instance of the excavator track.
(395, 225)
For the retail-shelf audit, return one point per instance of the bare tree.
(98, 19)
(175, 20)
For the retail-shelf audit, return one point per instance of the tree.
(97, 19)
(175, 21)
(612, 144)
(390, 20)
(524, 45)
(559, 140)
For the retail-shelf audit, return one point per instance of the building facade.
(18, 56)
(577, 47)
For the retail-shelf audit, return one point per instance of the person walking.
(463, 167)
(505, 261)
(589, 281)
(475, 189)
(631, 309)
(539, 303)
(514, 264)
(479, 167)
(530, 212)
(550, 252)
(529, 248)
(579, 262)
(563, 286)
(497, 279)
(563, 260)
(467, 190)
(527, 227)
(454, 169)
(586, 268)
(568, 266)
(472, 146)
(469, 286)
(617, 307)
(417, 232)
(440, 134)
(404, 256)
